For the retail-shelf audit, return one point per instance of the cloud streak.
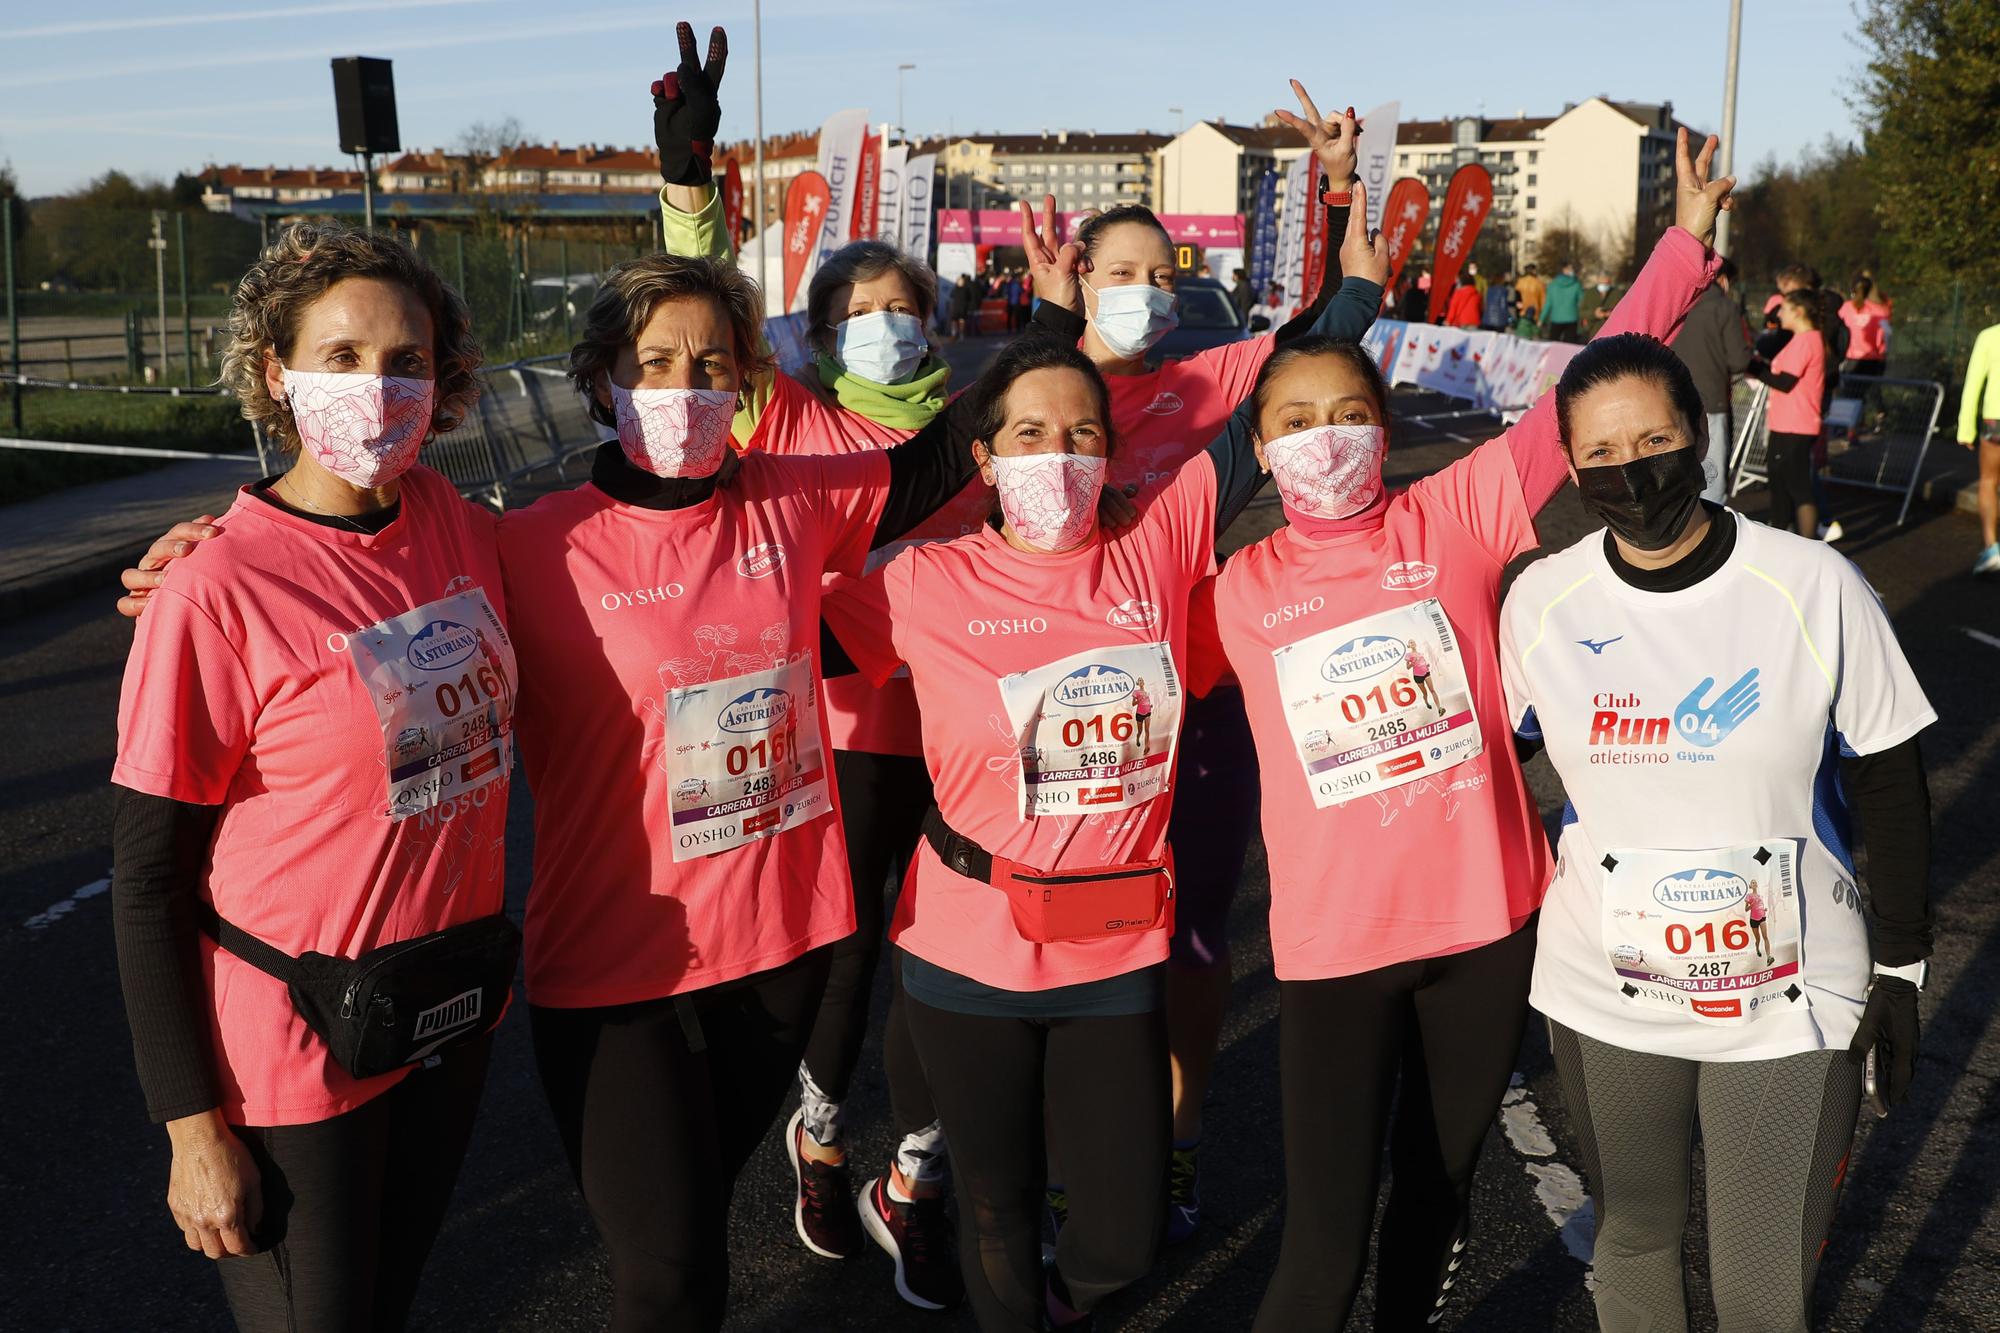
(82, 27)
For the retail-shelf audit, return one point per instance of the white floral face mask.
(1049, 500)
(364, 429)
(674, 432)
(1328, 471)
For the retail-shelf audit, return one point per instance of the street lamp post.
(757, 51)
(901, 132)
(1180, 127)
(1729, 115)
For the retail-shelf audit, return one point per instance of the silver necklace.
(299, 497)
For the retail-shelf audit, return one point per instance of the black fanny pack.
(396, 1005)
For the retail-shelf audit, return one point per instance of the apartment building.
(1216, 167)
(785, 156)
(1082, 169)
(223, 186)
(435, 172)
(586, 169)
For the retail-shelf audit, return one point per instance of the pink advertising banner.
(1000, 226)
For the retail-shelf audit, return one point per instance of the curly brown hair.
(296, 271)
(628, 297)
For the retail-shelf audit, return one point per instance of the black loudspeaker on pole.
(364, 96)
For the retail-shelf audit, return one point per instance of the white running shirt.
(1698, 736)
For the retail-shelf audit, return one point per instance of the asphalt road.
(90, 1245)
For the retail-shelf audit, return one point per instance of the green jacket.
(1981, 399)
(1564, 300)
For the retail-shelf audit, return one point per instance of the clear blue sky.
(152, 88)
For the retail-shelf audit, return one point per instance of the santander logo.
(1132, 614)
(1165, 404)
(761, 561)
(1407, 574)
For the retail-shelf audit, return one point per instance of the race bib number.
(1097, 730)
(1711, 936)
(744, 759)
(442, 678)
(1377, 702)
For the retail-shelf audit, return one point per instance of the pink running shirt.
(1797, 410)
(1167, 416)
(967, 616)
(1867, 329)
(659, 650)
(245, 689)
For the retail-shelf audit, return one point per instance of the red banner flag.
(1466, 204)
(732, 200)
(1314, 242)
(867, 190)
(1403, 218)
(805, 209)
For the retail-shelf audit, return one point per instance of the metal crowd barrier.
(1878, 432)
(527, 419)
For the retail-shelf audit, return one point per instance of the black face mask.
(1648, 501)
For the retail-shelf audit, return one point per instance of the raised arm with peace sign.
(686, 112)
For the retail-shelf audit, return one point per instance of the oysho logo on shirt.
(1018, 625)
(1361, 658)
(1092, 686)
(1164, 404)
(659, 592)
(761, 561)
(1296, 611)
(1132, 614)
(1700, 890)
(758, 710)
(1405, 575)
(441, 645)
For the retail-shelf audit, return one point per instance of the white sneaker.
(1988, 560)
(1831, 532)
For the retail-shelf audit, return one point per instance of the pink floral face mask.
(1049, 500)
(674, 432)
(1328, 471)
(364, 429)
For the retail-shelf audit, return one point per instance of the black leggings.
(882, 802)
(1451, 1028)
(659, 1104)
(1788, 463)
(1101, 1085)
(353, 1204)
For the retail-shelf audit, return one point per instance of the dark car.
(1208, 319)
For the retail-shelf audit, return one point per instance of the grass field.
(146, 422)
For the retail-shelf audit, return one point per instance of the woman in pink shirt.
(1753, 907)
(1034, 923)
(315, 742)
(1866, 313)
(1407, 858)
(1797, 378)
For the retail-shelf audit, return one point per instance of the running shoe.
(1831, 532)
(917, 1235)
(1183, 1193)
(1988, 560)
(822, 1211)
(1056, 1201)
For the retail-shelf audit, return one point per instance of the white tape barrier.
(1495, 372)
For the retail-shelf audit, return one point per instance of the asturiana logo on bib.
(759, 710)
(441, 645)
(761, 561)
(1405, 575)
(1359, 659)
(1700, 890)
(1132, 614)
(1164, 404)
(1091, 686)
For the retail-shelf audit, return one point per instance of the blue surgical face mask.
(884, 346)
(1130, 319)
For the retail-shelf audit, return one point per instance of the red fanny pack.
(1084, 903)
(1088, 902)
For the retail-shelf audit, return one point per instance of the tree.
(1817, 211)
(485, 140)
(1564, 242)
(1929, 104)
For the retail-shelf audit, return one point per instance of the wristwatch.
(1917, 974)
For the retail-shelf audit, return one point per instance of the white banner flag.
(889, 212)
(840, 162)
(918, 199)
(1300, 176)
(1378, 158)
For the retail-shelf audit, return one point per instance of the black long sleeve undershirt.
(158, 849)
(1783, 381)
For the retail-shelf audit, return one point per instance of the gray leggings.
(1776, 1135)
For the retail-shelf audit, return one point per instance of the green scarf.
(906, 406)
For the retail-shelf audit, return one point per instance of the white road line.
(1990, 640)
(1559, 1190)
(57, 911)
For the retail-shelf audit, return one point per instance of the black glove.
(1889, 1025)
(686, 113)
